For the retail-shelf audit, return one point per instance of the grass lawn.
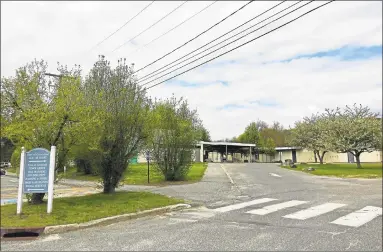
(83, 209)
(368, 170)
(11, 169)
(137, 174)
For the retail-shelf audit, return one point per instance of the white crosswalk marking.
(242, 205)
(276, 207)
(314, 211)
(360, 217)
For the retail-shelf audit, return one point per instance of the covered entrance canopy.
(225, 149)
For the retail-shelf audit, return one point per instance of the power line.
(174, 27)
(123, 25)
(211, 27)
(179, 6)
(241, 44)
(152, 73)
(247, 34)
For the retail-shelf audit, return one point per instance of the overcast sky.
(330, 57)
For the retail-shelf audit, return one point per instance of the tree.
(278, 136)
(203, 134)
(310, 134)
(175, 133)
(7, 148)
(122, 107)
(40, 112)
(277, 126)
(353, 130)
(261, 125)
(251, 134)
(269, 146)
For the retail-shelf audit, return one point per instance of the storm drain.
(20, 233)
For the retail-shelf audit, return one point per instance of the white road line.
(227, 174)
(314, 211)
(13, 181)
(276, 207)
(360, 217)
(275, 175)
(242, 205)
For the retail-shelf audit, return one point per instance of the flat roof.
(227, 143)
(287, 148)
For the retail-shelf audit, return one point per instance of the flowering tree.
(353, 130)
(310, 134)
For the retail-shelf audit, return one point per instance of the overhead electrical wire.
(179, 6)
(211, 27)
(147, 76)
(205, 8)
(147, 6)
(247, 34)
(235, 48)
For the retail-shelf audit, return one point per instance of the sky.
(330, 57)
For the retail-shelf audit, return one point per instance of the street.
(244, 207)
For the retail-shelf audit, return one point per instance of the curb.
(103, 221)
(112, 219)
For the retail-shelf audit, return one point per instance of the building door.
(350, 157)
(294, 156)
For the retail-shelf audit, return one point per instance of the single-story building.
(240, 152)
(215, 152)
(299, 155)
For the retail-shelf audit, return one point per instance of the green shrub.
(89, 162)
(15, 159)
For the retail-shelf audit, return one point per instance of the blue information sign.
(36, 171)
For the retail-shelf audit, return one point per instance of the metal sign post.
(147, 159)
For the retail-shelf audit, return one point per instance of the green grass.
(83, 209)
(368, 170)
(137, 174)
(11, 170)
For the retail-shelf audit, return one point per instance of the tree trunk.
(315, 156)
(109, 188)
(321, 156)
(357, 157)
(37, 198)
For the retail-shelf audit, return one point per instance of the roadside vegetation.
(353, 129)
(99, 120)
(137, 174)
(370, 170)
(83, 209)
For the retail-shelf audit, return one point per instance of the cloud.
(331, 57)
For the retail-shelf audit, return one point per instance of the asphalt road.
(290, 210)
(8, 188)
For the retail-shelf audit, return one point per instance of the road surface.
(245, 207)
